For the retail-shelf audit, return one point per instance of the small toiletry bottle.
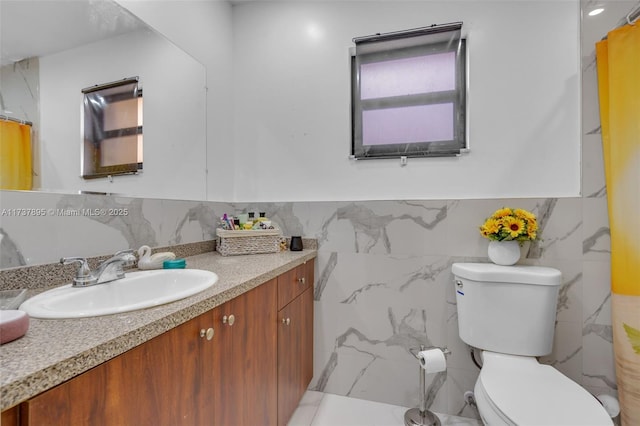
(226, 223)
(244, 217)
(258, 224)
(250, 220)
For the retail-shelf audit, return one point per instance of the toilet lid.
(529, 393)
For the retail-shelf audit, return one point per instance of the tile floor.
(324, 409)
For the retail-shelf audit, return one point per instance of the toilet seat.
(520, 391)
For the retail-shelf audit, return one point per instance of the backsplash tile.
(52, 274)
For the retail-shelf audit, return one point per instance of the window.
(409, 93)
(112, 129)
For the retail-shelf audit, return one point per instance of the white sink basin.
(138, 290)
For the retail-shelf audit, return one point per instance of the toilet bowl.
(517, 390)
(509, 313)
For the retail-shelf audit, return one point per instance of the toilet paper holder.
(416, 351)
(421, 416)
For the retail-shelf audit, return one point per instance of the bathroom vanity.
(240, 353)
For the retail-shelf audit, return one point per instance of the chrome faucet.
(109, 270)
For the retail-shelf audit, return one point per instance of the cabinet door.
(162, 381)
(245, 375)
(9, 417)
(159, 383)
(295, 353)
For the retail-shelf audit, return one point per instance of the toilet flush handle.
(459, 284)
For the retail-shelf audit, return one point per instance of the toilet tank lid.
(523, 274)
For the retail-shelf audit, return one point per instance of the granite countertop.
(54, 351)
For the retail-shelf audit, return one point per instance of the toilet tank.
(507, 309)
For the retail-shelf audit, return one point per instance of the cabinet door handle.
(229, 319)
(208, 333)
(301, 280)
(286, 321)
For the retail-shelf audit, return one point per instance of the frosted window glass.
(117, 151)
(408, 76)
(422, 123)
(121, 115)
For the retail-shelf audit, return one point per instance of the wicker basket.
(232, 243)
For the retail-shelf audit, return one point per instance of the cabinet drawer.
(292, 283)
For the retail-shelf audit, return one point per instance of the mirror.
(45, 64)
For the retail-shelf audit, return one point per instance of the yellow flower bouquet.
(508, 224)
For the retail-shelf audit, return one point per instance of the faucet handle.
(83, 269)
(83, 274)
(126, 260)
(127, 251)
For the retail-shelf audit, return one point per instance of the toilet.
(509, 312)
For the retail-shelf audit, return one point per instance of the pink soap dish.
(13, 325)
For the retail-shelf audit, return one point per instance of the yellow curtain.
(618, 60)
(15, 155)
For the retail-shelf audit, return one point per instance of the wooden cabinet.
(9, 417)
(159, 383)
(241, 363)
(295, 338)
(245, 370)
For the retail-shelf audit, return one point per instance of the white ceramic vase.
(504, 252)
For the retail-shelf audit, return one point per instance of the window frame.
(91, 154)
(458, 96)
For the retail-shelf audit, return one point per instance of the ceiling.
(31, 28)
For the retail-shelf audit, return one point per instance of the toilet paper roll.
(432, 360)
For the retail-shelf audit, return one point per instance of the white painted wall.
(277, 112)
(174, 115)
(203, 29)
(291, 101)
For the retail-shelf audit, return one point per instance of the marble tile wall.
(37, 228)
(19, 90)
(384, 285)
